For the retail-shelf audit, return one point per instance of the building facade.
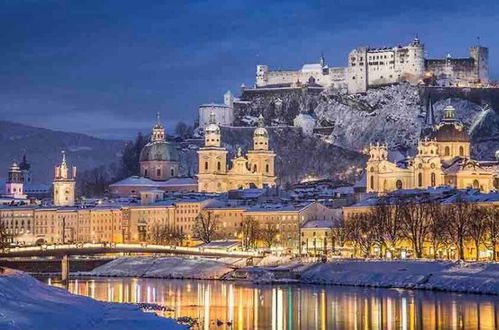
(256, 169)
(371, 67)
(224, 113)
(443, 158)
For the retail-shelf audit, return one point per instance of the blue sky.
(106, 67)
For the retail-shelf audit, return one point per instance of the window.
(398, 184)
(433, 180)
(420, 179)
(145, 172)
(267, 168)
(447, 151)
(172, 172)
(206, 165)
(254, 168)
(219, 166)
(476, 184)
(158, 172)
(372, 182)
(461, 151)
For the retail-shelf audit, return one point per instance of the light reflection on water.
(278, 307)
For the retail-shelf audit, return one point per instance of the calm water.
(297, 306)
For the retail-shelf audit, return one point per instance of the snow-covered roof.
(145, 182)
(315, 67)
(214, 105)
(318, 224)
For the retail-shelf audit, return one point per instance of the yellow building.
(64, 184)
(442, 158)
(254, 170)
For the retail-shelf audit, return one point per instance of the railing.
(123, 247)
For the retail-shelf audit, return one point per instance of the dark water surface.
(247, 306)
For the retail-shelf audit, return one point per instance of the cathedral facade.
(442, 158)
(256, 169)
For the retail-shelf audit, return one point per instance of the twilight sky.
(106, 67)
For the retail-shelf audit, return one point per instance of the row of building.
(303, 225)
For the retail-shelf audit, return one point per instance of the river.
(247, 306)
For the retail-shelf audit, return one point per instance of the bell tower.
(158, 131)
(64, 184)
(14, 186)
(212, 160)
(260, 158)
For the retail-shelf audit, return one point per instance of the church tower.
(14, 185)
(212, 160)
(260, 158)
(64, 184)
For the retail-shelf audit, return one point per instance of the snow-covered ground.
(167, 267)
(445, 276)
(26, 303)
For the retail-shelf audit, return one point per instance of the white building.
(224, 113)
(306, 122)
(371, 67)
(64, 184)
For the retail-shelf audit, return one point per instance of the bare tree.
(416, 221)
(249, 230)
(268, 234)
(6, 238)
(163, 234)
(492, 234)
(387, 223)
(359, 228)
(206, 226)
(439, 235)
(457, 223)
(477, 227)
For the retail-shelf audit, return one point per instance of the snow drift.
(438, 275)
(26, 303)
(168, 267)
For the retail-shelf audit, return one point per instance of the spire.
(261, 121)
(157, 118)
(322, 60)
(64, 164)
(158, 132)
(430, 113)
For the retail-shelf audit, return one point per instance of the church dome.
(212, 129)
(160, 151)
(449, 132)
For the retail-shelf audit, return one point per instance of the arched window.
(206, 165)
(158, 172)
(172, 172)
(219, 166)
(433, 180)
(476, 184)
(461, 151)
(145, 172)
(420, 179)
(398, 184)
(447, 151)
(372, 182)
(254, 168)
(267, 168)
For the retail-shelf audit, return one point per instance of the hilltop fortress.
(371, 67)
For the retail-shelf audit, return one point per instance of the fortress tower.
(481, 57)
(64, 184)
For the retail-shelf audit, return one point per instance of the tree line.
(424, 223)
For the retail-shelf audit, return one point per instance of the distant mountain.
(43, 149)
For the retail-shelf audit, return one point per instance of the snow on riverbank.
(26, 303)
(445, 276)
(168, 267)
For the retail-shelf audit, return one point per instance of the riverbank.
(26, 303)
(469, 277)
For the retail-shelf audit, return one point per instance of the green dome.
(160, 150)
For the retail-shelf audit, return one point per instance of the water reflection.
(243, 306)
